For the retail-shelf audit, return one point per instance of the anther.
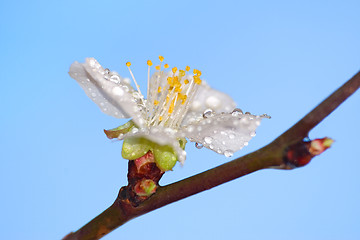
(161, 58)
(149, 63)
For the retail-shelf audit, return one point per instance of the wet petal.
(208, 98)
(108, 90)
(224, 133)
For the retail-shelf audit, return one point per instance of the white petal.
(110, 92)
(208, 98)
(161, 136)
(224, 133)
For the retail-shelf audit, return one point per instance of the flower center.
(169, 94)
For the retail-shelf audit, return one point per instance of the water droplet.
(265, 116)
(228, 153)
(199, 145)
(231, 136)
(208, 113)
(253, 134)
(246, 143)
(115, 79)
(93, 94)
(236, 112)
(211, 146)
(208, 140)
(126, 88)
(134, 130)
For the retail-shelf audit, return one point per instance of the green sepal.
(115, 132)
(165, 157)
(182, 142)
(134, 148)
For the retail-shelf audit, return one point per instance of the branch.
(271, 156)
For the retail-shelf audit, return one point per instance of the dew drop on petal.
(208, 140)
(265, 116)
(228, 153)
(246, 143)
(231, 136)
(236, 112)
(253, 134)
(199, 145)
(207, 113)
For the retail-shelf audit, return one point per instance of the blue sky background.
(58, 170)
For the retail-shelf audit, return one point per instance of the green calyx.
(116, 132)
(165, 156)
(134, 148)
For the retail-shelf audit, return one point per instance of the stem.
(269, 156)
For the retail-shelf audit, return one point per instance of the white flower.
(178, 105)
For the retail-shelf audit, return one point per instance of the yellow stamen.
(159, 89)
(156, 102)
(157, 67)
(174, 69)
(197, 80)
(182, 97)
(170, 81)
(172, 105)
(181, 73)
(149, 63)
(161, 58)
(186, 81)
(176, 82)
(166, 65)
(160, 118)
(187, 68)
(128, 64)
